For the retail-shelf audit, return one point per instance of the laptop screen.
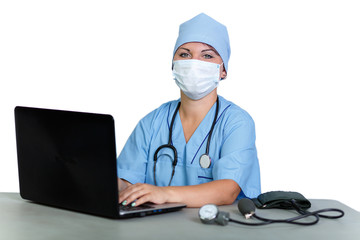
(67, 159)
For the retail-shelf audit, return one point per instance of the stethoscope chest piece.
(205, 161)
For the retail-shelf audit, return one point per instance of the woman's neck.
(192, 112)
(196, 108)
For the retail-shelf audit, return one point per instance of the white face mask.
(196, 78)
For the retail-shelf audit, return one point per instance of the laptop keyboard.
(130, 208)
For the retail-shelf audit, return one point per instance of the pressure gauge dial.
(208, 213)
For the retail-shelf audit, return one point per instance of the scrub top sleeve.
(132, 161)
(238, 158)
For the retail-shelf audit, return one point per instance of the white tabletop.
(20, 219)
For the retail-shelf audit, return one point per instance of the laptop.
(67, 159)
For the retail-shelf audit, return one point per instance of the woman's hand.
(141, 193)
(122, 184)
(219, 192)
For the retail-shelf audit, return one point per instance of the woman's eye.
(184, 55)
(208, 56)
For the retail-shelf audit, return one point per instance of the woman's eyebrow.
(185, 49)
(205, 50)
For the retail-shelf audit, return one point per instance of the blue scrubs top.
(232, 149)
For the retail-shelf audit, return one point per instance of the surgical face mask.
(196, 78)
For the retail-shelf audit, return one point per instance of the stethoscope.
(205, 160)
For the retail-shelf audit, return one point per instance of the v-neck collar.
(202, 127)
(196, 145)
(199, 136)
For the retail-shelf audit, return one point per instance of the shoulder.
(238, 128)
(160, 114)
(232, 113)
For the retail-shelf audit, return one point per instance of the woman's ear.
(223, 74)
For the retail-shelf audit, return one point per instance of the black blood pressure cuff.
(281, 199)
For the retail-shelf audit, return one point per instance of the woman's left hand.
(140, 193)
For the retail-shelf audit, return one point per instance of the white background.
(295, 67)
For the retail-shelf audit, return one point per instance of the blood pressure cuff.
(281, 199)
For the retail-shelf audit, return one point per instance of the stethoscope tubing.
(169, 144)
(212, 126)
(294, 220)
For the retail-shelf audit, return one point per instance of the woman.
(219, 170)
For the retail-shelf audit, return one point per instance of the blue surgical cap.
(203, 28)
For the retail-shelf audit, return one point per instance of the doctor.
(201, 148)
